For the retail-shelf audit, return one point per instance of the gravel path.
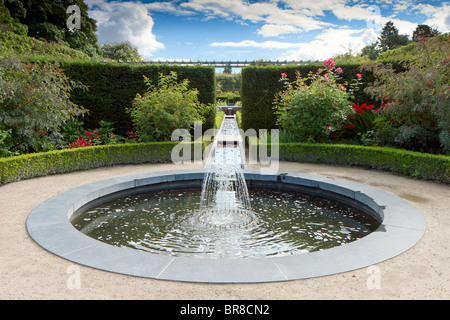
(30, 272)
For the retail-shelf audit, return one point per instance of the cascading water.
(225, 201)
(219, 221)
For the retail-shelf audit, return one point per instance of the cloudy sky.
(265, 29)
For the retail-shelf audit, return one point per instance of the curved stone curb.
(402, 227)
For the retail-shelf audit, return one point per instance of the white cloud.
(439, 18)
(332, 42)
(267, 12)
(274, 30)
(125, 21)
(329, 43)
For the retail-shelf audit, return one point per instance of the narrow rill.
(225, 201)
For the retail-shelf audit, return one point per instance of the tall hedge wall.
(260, 84)
(113, 86)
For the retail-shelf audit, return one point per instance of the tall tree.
(9, 23)
(390, 38)
(228, 69)
(47, 20)
(424, 31)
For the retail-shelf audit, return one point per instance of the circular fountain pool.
(284, 223)
(395, 226)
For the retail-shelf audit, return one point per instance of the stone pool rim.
(401, 228)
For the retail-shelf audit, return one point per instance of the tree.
(424, 31)
(228, 69)
(47, 20)
(7, 22)
(120, 51)
(390, 38)
(371, 51)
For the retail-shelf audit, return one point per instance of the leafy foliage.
(34, 100)
(261, 84)
(311, 112)
(417, 96)
(120, 51)
(163, 108)
(47, 20)
(424, 31)
(33, 49)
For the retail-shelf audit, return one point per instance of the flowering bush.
(34, 98)
(418, 96)
(361, 123)
(312, 113)
(74, 136)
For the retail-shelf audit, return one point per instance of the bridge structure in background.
(225, 64)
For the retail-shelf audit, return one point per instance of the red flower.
(329, 63)
(80, 143)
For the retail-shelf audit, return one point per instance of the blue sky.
(248, 29)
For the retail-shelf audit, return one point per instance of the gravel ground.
(30, 272)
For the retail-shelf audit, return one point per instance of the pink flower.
(359, 75)
(283, 75)
(330, 128)
(338, 70)
(329, 63)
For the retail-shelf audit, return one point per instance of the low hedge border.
(408, 163)
(63, 161)
(414, 164)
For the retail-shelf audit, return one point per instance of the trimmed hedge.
(414, 164)
(63, 161)
(260, 84)
(112, 88)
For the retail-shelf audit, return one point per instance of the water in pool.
(165, 222)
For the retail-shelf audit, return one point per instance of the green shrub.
(163, 108)
(261, 84)
(312, 112)
(34, 101)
